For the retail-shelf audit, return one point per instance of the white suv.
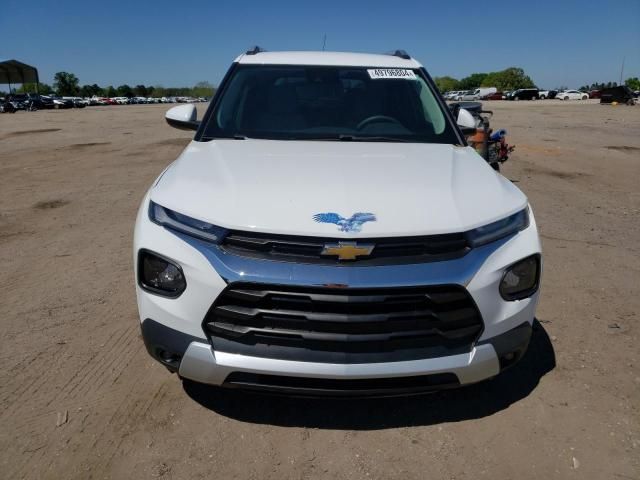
(329, 231)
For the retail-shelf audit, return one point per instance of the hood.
(279, 186)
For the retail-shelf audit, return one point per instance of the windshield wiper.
(334, 138)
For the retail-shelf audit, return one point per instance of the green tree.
(159, 91)
(43, 88)
(66, 84)
(510, 78)
(140, 91)
(110, 92)
(447, 84)
(473, 81)
(203, 89)
(124, 91)
(91, 90)
(633, 83)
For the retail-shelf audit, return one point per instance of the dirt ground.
(80, 397)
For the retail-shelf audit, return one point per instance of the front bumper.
(173, 327)
(196, 360)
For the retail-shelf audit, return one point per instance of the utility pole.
(621, 71)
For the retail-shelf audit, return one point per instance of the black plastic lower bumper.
(511, 346)
(166, 344)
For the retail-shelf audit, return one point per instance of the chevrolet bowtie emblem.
(347, 250)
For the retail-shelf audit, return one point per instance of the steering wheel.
(377, 119)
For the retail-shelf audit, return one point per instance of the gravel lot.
(80, 397)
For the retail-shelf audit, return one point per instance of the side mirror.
(466, 122)
(183, 117)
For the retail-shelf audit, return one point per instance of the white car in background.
(572, 95)
(466, 95)
(477, 94)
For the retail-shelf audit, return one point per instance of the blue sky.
(178, 43)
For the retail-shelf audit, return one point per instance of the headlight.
(500, 229)
(521, 279)
(160, 275)
(182, 223)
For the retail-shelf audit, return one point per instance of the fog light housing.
(159, 275)
(521, 279)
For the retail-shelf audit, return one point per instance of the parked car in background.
(59, 102)
(79, 102)
(595, 93)
(26, 101)
(524, 94)
(47, 102)
(547, 94)
(620, 94)
(495, 96)
(466, 95)
(572, 95)
(484, 92)
(11, 104)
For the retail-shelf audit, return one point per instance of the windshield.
(328, 103)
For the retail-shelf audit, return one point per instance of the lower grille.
(343, 325)
(335, 387)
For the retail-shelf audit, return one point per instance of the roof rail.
(401, 54)
(255, 49)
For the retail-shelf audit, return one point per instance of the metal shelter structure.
(13, 71)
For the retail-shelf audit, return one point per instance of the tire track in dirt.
(41, 422)
(97, 377)
(40, 380)
(113, 370)
(13, 375)
(125, 416)
(96, 363)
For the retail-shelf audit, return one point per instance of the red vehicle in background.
(595, 94)
(494, 96)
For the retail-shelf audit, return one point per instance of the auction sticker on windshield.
(376, 73)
